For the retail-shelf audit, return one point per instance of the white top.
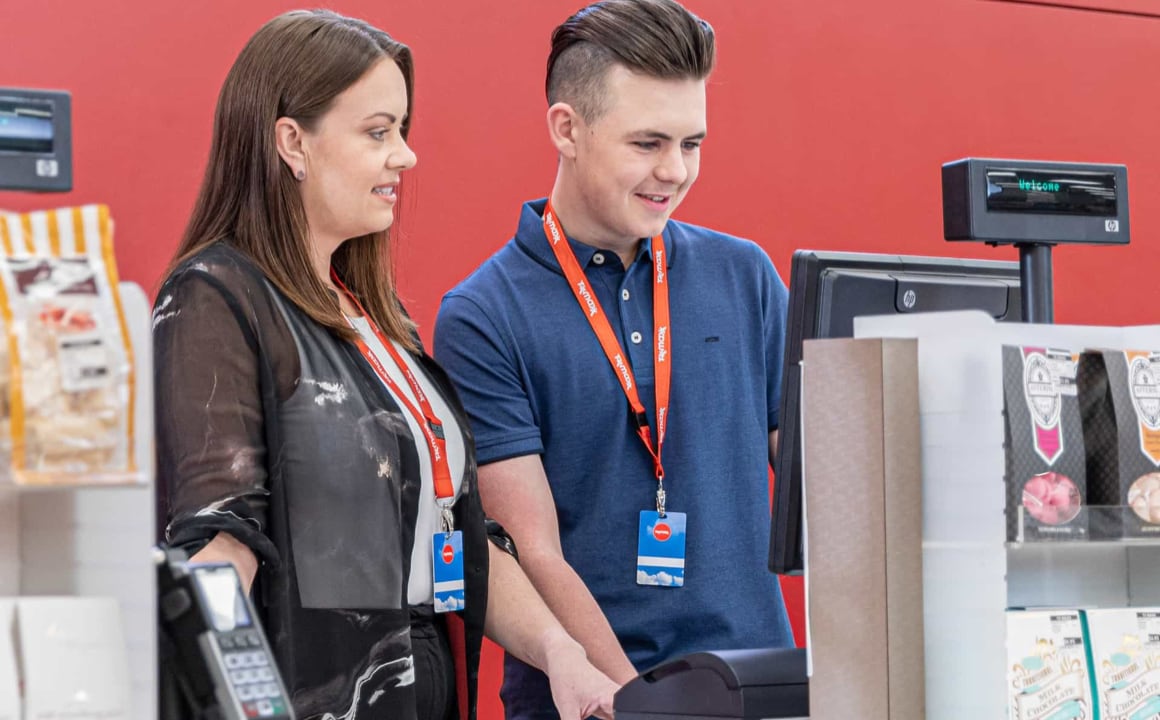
(420, 588)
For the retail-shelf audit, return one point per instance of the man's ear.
(564, 128)
(289, 137)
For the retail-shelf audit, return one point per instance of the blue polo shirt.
(534, 380)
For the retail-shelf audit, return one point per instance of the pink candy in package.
(1051, 498)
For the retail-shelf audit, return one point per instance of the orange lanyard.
(424, 415)
(662, 354)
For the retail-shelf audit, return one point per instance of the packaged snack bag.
(1046, 484)
(1120, 398)
(70, 383)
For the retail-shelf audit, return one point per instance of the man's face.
(636, 161)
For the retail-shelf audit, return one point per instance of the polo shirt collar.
(530, 236)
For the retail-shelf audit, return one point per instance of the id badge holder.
(447, 558)
(660, 553)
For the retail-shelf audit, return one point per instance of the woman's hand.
(225, 548)
(578, 689)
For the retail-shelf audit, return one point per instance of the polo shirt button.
(636, 338)
(598, 258)
(624, 294)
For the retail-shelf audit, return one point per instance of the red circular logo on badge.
(448, 554)
(662, 532)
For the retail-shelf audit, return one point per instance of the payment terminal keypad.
(251, 673)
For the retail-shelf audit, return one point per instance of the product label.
(84, 362)
(1144, 385)
(1137, 699)
(1059, 699)
(1047, 375)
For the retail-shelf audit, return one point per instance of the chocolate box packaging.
(1124, 652)
(1047, 670)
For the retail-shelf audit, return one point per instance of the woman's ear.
(289, 136)
(564, 126)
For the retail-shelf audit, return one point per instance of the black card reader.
(216, 663)
(768, 683)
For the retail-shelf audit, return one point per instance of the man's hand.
(578, 689)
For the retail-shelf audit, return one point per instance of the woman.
(303, 434)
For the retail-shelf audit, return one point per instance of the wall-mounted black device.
(35, 140)
(1035, 205)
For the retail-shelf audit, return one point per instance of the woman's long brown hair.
(294, 66)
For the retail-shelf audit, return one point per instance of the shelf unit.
(94, 540)
(971, 574)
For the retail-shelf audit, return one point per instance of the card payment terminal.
(217, 649)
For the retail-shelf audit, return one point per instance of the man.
(600, 316)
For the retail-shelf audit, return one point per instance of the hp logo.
(908, 299)
(47, 168)
(1112, 226)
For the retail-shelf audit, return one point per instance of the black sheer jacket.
(278, 432)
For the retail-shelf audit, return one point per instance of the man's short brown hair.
(655, 38)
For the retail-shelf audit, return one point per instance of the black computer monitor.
(827, 290)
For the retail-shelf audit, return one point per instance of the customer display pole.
(1035, 283)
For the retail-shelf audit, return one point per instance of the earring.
(300, 175)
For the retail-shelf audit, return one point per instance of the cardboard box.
(1045, 477)
(1047, 670)
(73, 658)
(1124, 650)
(1120, 399)
(862, 476)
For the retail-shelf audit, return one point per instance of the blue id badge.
(660, 550)
(447, 557)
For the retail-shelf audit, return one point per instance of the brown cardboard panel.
(842, 471)
(903, 474)
(864, 522)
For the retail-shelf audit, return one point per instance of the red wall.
(828, 123)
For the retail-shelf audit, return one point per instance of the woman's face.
(354, 157)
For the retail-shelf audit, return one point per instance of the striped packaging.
(69, 380)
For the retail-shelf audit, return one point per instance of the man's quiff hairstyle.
(655, 38)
